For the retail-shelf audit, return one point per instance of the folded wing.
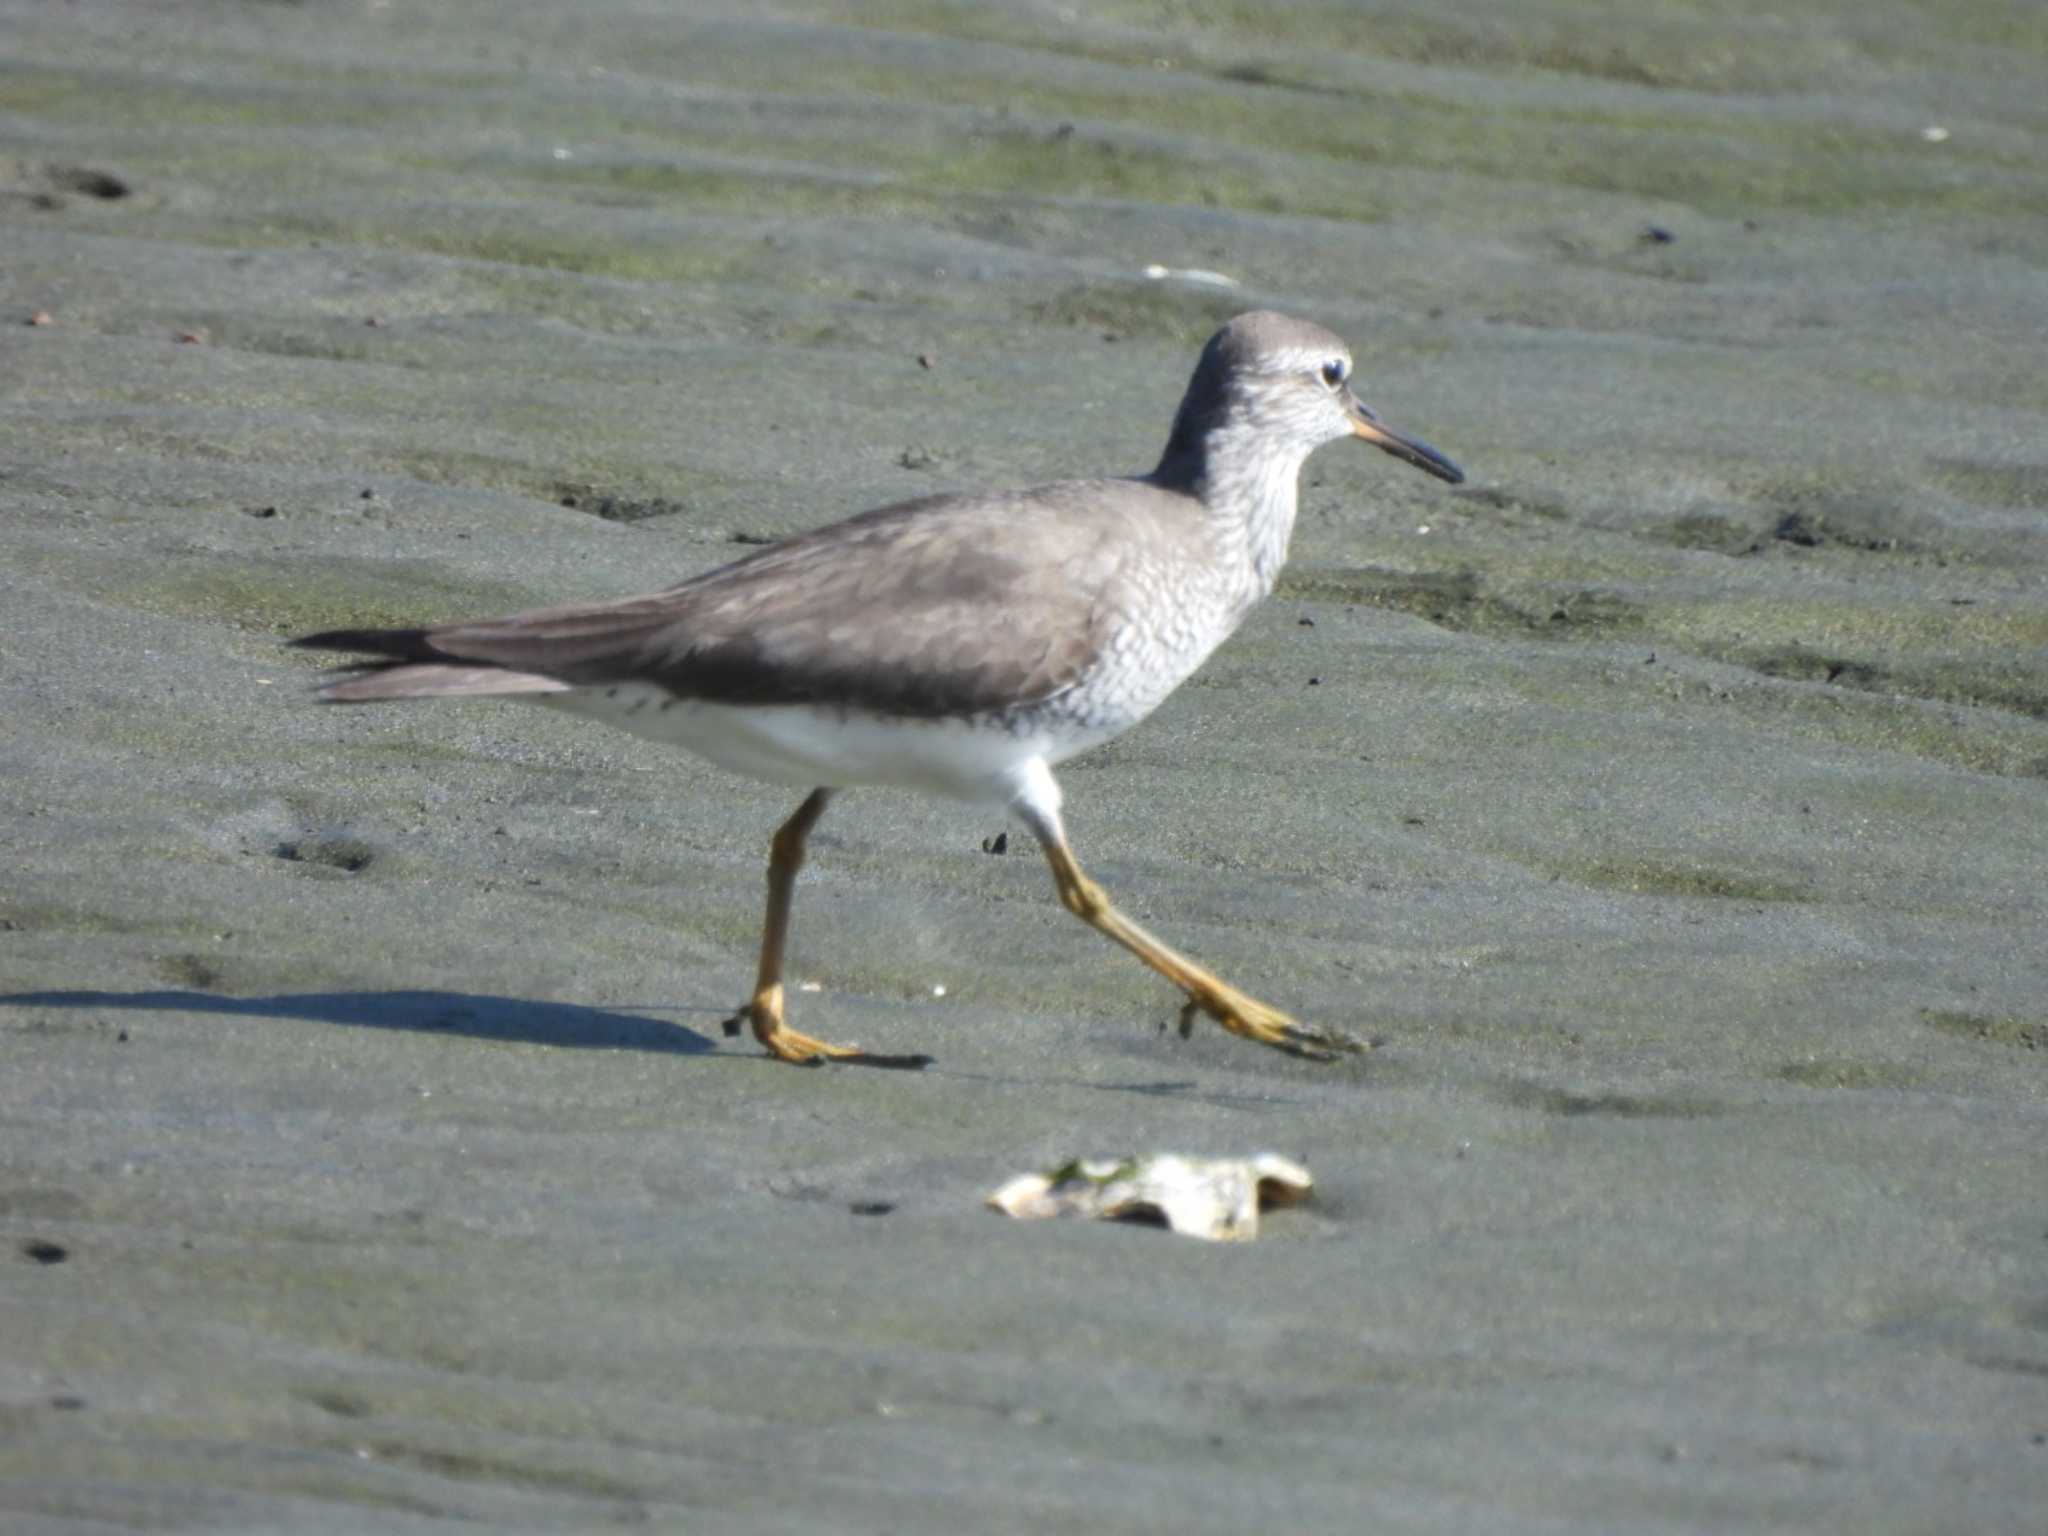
(951, 605)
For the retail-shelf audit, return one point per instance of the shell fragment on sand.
(1217, 1198)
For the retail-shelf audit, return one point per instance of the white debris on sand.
(1217, 1198)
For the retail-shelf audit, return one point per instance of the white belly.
(811, 746)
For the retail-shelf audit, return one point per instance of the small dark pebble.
(872, 1207)
(926, 360)
(261, 511)
(43, 1251)
(1657, 234)
(1801, 529)
(1306, 622)
(103, 184)
(66, 1403)
(369, 495)
(1000, 843)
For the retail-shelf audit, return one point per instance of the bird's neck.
(1247, 489)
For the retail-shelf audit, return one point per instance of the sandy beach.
(1669, 802)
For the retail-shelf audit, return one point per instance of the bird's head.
(1287, 382)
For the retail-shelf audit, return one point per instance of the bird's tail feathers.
(412, 668)
(436, 680)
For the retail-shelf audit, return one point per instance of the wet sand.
(1671, 801)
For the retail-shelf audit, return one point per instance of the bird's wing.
(950, 605)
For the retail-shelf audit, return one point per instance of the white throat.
(1250, 487)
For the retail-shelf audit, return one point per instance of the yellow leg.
(764, 1009)
(1207, 992)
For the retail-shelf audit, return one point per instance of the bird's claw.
(1269, 1026)
(786, 1044)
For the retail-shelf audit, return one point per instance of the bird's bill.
(1412, 449)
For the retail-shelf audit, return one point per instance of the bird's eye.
(1334, 372)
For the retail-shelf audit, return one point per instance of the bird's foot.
(1249, 1017)
(786, 1044)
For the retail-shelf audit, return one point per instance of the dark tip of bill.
(1440, 466)
(1413, 450)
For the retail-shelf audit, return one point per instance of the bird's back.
(949, 605)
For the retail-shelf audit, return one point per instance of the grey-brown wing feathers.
(944, 606)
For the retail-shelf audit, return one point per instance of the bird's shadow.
(478, 1016)
(471, 1014)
